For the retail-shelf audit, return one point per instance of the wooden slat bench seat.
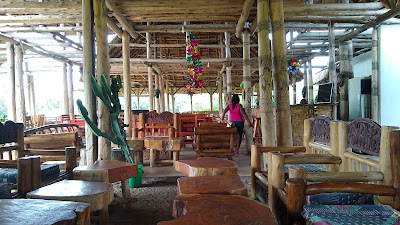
(222, 184)
(206, 166)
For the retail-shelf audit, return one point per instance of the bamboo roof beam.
(392, 13)
(213, 28)
(41, 19)
(41, 29)
(121, 19)
(253, 26)
(40, 52)
(182, 45)
(114, 27)
(183, 61)
(243, 17)
(334, 7)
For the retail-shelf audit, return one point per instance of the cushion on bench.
(9, 175)
(310, 168)
(5, 190)
(340, 199)
(350, 214)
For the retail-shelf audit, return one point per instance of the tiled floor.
(166, 170)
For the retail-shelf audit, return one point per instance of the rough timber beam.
(243, 17)
(253, 26)
(121, 19)
(217, 28)
(114, 27)
(334, 7)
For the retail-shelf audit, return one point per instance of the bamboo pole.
(220, 106)
(103, 67)
(332, 68)
(162, 93)
(157, 86)
(19, 85)
(70, 91)
(88, 71)
(310, 89)
(305, 80)
(12, 113)
(243, 17)
(375, 77)
(247, 87)
(150, 72)
(173, 99)
(228, 84)
(127, 83)
(191, 104)
(121, 19)
(65, 89)
(344, 74)
(224, 87)
(211, 100)
(282, 104)
(114, 27)
(265, 75)
(138, 100)
(33, 96)
(167, 94)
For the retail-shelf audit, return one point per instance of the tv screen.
(324, 93)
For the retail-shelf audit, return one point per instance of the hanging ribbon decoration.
(195, 74)
(293, 64)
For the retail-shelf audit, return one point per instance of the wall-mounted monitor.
(324, 93)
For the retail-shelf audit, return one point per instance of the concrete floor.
(167, 170)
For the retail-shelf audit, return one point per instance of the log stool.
(206, 166)
(109, 171)
(219, 209)
(98, 194)
(222, 184)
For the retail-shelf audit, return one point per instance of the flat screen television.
(324, 93)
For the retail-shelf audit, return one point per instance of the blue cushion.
(5, 190)
(9, 175)
(340, 199)
(310, 168)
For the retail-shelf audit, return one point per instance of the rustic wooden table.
(44, 212)
(222, 184)
(206, 166)
(98, 194)
(137, 144)
(162, 143)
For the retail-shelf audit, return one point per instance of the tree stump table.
(109, 171)
(44, 212)
(206, 166)
(98, 194)
(221, 184)
(163, 143)
(219, 209)
(137, 144)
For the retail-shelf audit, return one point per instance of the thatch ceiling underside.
(38, 24)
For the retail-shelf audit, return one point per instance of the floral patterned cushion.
(340, 199)
(310, 168)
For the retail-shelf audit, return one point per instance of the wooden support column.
(127, 82)
(19, 85)
(191, 104)
(167, 94)
(294, 93)
(173, 99)
(103, 67)
(138, 99)
(305, 76)
(344, 74)
(332, 67)
(282, 104)
(265, 74)
(211, 99)
(12, 112)
(70, 91)
(228, 84)
(247, 87)
(65, 89)
(224, 87)
(220, 106)
(31, 94)
(310, 81)
(88, 71)
(162, 92)
(156, 81)
(150, 72)
(375, 77)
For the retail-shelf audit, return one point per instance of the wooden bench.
(206, 167)
(221, 184)
(214, 140)
(219, 209)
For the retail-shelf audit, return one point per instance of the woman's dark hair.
(235, 100)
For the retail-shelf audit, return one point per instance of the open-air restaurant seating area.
(344, 173)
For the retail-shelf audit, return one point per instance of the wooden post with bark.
(265, 75)
(103, 67)
(65, 88)
(282, 103)
(127, 83)
(375, 77)
(345, 75)
(332, 68)
(71, 111)
(19, 85)
(150, 72)
(247, 87)
(12, 112)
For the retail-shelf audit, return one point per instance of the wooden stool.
(206, 166)
(137, 144)
(219, 209)
(38, 211)
(98, 194)
(109, 171)
(222, 184)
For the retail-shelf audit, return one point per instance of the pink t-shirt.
(235, 114)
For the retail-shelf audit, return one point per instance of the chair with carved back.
(155, 124)
(18, 174)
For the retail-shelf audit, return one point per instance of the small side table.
(221, 184)
(206, 166)
(108, 171)
(137, 144)
(163, 143)
(98, 194)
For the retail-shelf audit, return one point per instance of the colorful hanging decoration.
(195, 74)
(293, 65)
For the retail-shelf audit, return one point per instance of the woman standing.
(237, 117)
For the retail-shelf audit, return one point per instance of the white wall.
(362, 65)
(389, 70)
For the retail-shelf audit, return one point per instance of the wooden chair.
(214, 141)
(187, 125)
(11, 148)
(348, 182)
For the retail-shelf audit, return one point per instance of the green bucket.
(135, 182)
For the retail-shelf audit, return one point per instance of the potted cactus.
(109, 96)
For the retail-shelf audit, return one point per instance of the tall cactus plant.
(109, 96)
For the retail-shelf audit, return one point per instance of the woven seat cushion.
(350, 214)
(310, 168)
(340, 199)
(9, 175)
(5, 190)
